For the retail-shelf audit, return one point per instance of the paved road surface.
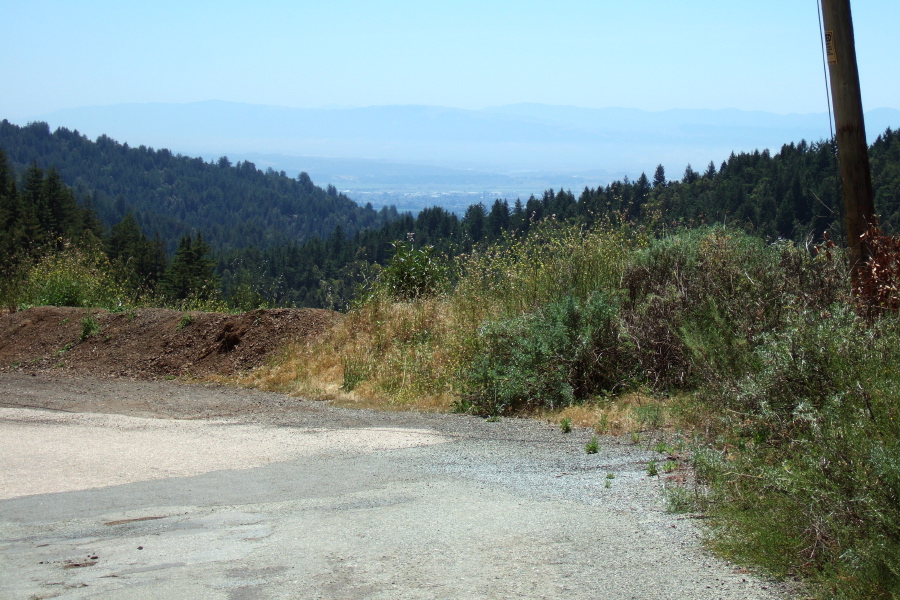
(103, 494)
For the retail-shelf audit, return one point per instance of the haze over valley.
(416, 156)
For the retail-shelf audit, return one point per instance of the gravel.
(185, 491)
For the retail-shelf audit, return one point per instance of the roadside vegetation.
(615, 312)
(785, 389)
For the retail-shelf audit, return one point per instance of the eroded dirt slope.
(151, 343)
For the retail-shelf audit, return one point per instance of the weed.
(89, 327)
(649, 416)
(64, 349)
(661, 448)
(64, 321)
(493, 419)
(635, 437)
(413, 272)
(652, 470)
(461, 406)
(680, 499)
(670, 466)
(72, 276)
(185, 321)
(566, 425)
(602, 424)
(355, 372)
(592, 446)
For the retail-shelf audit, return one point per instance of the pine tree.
(473, 222)
(659, 177)
(498, 219)
(191, 273)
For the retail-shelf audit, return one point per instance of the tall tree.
(659, 177)
(473, 222)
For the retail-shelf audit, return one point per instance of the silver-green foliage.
(814, 484)
(413, 272)
(552, 357)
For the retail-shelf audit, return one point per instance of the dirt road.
(120, 489)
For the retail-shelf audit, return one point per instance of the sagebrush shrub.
(553, 357)
(698, 301)
(815, 484)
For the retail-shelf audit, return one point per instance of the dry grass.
(631, 412)
(384, 355)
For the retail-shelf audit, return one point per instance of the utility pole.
(851, 135)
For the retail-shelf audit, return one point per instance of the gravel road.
(121, 489)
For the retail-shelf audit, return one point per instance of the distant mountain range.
(507, 150)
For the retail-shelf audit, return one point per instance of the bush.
(813, 485)
(413, 273)
(72, 277)
(89, 328)
(697, 302)
(550, 358)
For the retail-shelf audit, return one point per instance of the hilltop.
(233, 205)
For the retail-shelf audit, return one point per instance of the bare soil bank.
(151, 343)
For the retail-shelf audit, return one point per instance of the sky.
(647, 54)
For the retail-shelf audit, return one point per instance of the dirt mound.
(152, 342)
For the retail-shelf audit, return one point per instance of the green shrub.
(413, 273)
(697, 302)
(89, 327)
(550, 358)
(72, 277)
(813, 485)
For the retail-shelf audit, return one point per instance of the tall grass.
(82, 275)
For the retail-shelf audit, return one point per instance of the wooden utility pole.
(851, 134)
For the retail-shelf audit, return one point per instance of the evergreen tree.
(191, 273)
(690, 175)
(498, 219)
(659, 177)
(473, 222)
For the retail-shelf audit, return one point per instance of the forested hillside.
(278, 241)
(173, 195)
(793, 194)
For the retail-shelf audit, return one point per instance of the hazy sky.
(647, 54)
